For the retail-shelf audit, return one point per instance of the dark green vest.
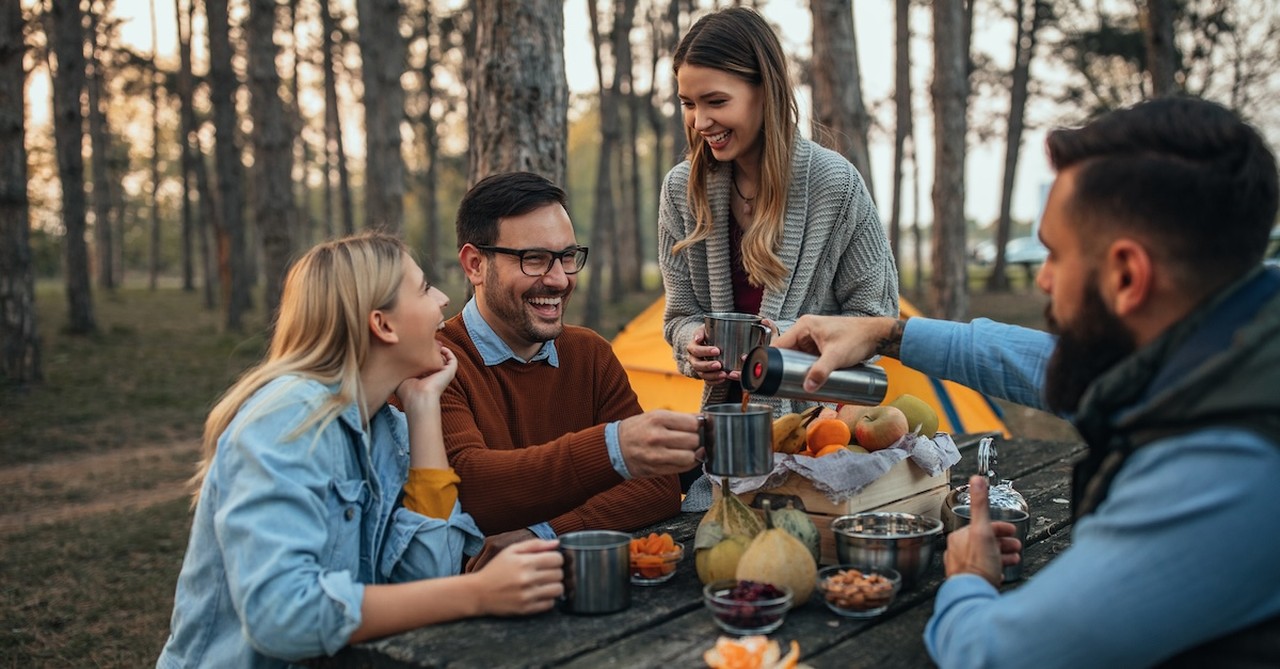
(1219, 367)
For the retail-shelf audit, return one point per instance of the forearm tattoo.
(891, 345)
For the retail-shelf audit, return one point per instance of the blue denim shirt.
(290, 528)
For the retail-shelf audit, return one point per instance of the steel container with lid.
(780, 372)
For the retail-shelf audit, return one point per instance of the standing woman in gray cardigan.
(758, 219)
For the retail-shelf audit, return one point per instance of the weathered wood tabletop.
(668, 626)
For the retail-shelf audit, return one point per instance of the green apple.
(919, 414)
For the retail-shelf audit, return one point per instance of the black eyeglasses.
(537, 262)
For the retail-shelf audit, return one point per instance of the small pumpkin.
(723, 534)
(799, 525)
(776, 557)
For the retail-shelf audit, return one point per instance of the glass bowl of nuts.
(747, 607)
(856, 591)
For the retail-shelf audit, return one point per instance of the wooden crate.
(905, 488)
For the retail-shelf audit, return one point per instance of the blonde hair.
(737, 40)
(321, 333)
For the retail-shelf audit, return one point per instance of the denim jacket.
(290, 528)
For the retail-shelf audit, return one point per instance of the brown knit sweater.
(528, 439)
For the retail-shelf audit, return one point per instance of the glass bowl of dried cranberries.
(858, 591)
(747, 607)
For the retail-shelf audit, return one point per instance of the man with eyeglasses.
(541, 424)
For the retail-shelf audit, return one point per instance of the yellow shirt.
(431, 492)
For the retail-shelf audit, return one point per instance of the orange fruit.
(826, 431)
(831, 448)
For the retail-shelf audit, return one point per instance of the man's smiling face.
(523, 310)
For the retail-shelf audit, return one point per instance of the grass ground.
(93, 511)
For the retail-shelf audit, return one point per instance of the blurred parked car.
(1019, 251)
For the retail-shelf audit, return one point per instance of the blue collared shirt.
(1144, 576)
(494, 351)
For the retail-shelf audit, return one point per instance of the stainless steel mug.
(738, 442)
(735, 335)
(1021, 522)
(597, 576)
(780, 372)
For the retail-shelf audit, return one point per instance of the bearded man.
(541, 424)
(1165, 354)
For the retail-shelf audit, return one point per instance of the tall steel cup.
(597, 576)
(735, 335)
(1021, 522)
(738, 442)
(780, 372)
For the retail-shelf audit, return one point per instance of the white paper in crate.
(844, 474)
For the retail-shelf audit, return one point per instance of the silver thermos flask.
(780, 372)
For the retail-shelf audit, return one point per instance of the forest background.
(153, 191)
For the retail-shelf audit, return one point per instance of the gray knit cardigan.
(832, 241)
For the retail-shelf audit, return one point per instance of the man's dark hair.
(1195, 182)
(500, 196)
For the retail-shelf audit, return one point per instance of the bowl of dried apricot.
(654, 558)
(858, 591)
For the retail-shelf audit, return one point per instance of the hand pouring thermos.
(780, 372)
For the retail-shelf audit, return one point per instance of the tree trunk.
(653, 109)
(19, 339)
(679, 141)
(1023, 51)
(193, 157)
(153, 75)
(276, 214)
(431, 147)
(902, 121)
(916, 207)
(67, 37)
(222, 91)
(1162, 53)
(950, 91)
(383, 53)
(603, 233)
(332, 121)
(304, 231)
(99, 140)
(518, 96)
(629, 236)
(838, 110)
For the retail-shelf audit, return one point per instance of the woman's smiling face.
(726, 110)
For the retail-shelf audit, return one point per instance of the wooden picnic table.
(668, 626)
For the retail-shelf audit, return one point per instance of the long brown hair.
(737, 40)
(321, 334)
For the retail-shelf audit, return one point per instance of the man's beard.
(511, 309)
(1092, 343)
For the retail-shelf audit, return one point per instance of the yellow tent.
(652, 370)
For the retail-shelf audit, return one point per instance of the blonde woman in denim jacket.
(302, 541)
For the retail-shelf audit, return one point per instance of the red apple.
(880, 427)
(850, 413)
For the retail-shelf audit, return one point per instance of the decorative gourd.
(723, 534)
(776, 557)
(799, 525)
(721, 560)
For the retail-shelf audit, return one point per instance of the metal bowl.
(901, 541)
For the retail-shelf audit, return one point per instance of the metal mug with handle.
(735, 335)
(597, 571)
(738, 440)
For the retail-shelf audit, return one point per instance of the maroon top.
(746, 297)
